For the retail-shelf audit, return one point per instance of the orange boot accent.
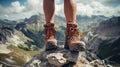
(50, 38)
(73, 42)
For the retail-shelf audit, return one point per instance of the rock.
(97, 63)
(62, 58)
(56, 59)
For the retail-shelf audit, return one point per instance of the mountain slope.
(105, 40)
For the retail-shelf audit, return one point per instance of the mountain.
(6, 29)
(33, 27)
(93, 18)
(7, 23)
(9, 35)
(104, 40)
(15, 49)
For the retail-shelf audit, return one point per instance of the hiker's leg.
(49, 10)
(72, 42)
(70, 10)
(50, 38)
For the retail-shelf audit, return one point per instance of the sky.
(20, 9)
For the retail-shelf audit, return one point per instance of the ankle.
(47, 25)
(71, 22)
(48, 22)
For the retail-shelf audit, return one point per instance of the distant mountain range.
(33, 27)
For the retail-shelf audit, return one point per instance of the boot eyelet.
(71, 29)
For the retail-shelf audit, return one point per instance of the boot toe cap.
(78, 46)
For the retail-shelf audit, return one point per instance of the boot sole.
(78, 47)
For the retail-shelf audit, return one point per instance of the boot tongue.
(73, 32)
(50, 31)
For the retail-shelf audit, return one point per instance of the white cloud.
(102, 1)
(109, 1)
(57, 1)
(18, 11)
(15, 4)
(84, 7)
(33, 4)
(6, 15)
(16, 7)
(92, 8)
(59, 10)
(96, 8)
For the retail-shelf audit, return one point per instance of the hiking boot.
(50, 38)
(73, 42)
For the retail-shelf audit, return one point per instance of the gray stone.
(62, 58)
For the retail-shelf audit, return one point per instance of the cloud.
(15, 8)
(102, 1)
(34, 5)
(84, 8)
(97, 8)
(4, 10)
(18, 11)
(59, 10)
(109, 1)
(6, 16)
(92, 8)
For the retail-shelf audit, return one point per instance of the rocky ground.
(65, 58)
